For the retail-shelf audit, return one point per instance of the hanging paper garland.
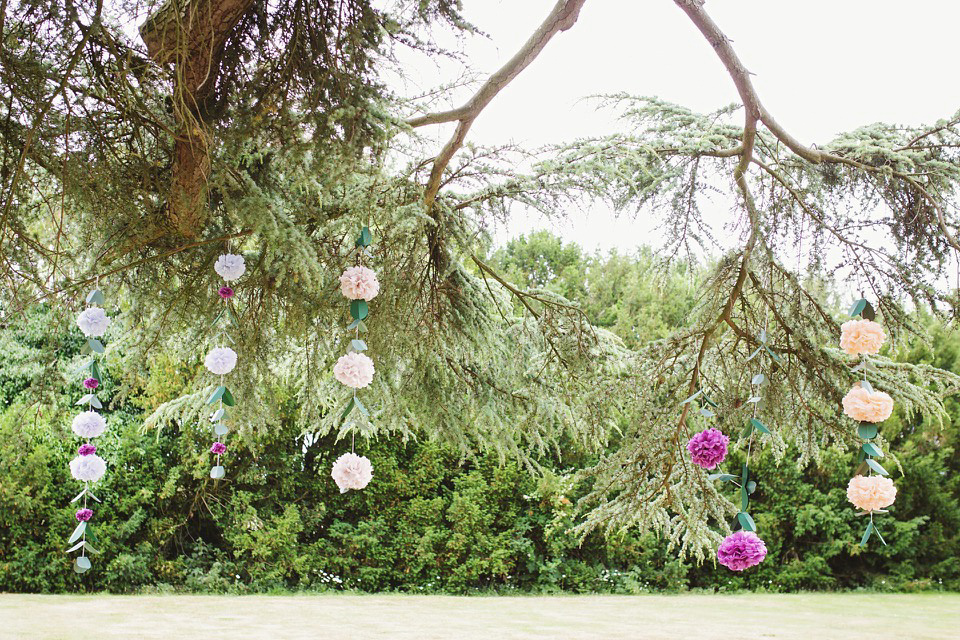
(221, 360)
(741, 549)
(869, 493)
(88, 467)
(355, 369)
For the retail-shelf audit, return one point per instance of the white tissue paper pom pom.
(354, 370)
(221, 361)
(93, 322)
(88, 468)
(359, 283)
(89, 424)
(351, 471)
(230, 266)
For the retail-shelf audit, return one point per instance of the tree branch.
(562, 17)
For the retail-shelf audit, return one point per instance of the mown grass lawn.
(359, 617)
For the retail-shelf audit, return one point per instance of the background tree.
(266, 125)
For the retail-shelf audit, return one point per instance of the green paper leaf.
(95, 345)
(747, 430)
(217, 472)
(81, 527)
(94, 369)
(218, 414)
(217, 394)
(866, 534)
(365, 238)
(763, 336)
(228, 398)
(95, 297)
(754, 354)
(76, 546)
(349, 408)
(360, 406)
(221, 429)
(877, 531)
(722, 477)
(91, 534)
(861, 468)
(755, 399)
(858, 307)
(873, 450)
(773, 355)
(759, 378)
(751, 487)
(746, 521)
(693, 397)
(744, 498)
(869, 313)
(362, 326)
(354, 324)
(873, 464)
(867, 431)
(81, 564)
(358, 345)
(359, 309)
(89, 548)
(706, 413)
(79, 495)
(759, 426)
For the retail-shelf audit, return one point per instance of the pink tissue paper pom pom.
(87, 450)
(359, 283)
(89, 424)
(218, 448)
(861, 337)
(91, 383)
(741, 550)
(83, 515)
(354, 370)
(864, 406)
(708, 448)
(88, 468)
(871, 492)
(351, 471)
(221, 360)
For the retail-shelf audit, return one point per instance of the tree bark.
(190, 35)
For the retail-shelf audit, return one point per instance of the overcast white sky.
(821, 67)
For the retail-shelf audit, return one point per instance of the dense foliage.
(431, 521)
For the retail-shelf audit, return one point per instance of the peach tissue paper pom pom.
(221, 361)
(93, 322)
(359, 283)
(354, 370)
(89, 424)
(871, 492)
(88, 468)
(351, 471)
(867, 406)
(230, 266)
(861, 337)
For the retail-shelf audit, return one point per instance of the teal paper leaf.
(751, 487)
(221, 429)
(723, 477)
(873, 464)
(858, 307)
(360, 407)
(228, 398)
(746, 521)
(81, 527)
(693, 397)
(867, 431)
(217, 472)
(95, 297)
(759, 378)
(866, 534)
(348, 409)
(872, 450)
(866, 386)
(359, 309)
(81, 564)
(759, 426)
(358, 345)
(95, 345)
(217, 394)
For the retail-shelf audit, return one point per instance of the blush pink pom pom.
(351, 471)
(861, 337)
(359, 283)
(865, 406)
(354, 370)
(871, 492)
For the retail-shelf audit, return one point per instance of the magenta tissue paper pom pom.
(741, 550)
(708, 448)
(83, 515)
(87, 450)
(218, 448)
(225, 292)
(91, 383)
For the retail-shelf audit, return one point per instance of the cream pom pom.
(93, 322)
(88, 468)
(871, 492)
(351, 471)
(221, 360)
(865, 406)
(355, 370)
(861, 337)
(230, 266)
(359, 283)
(89, 424)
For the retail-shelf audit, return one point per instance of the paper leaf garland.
(87, 466)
